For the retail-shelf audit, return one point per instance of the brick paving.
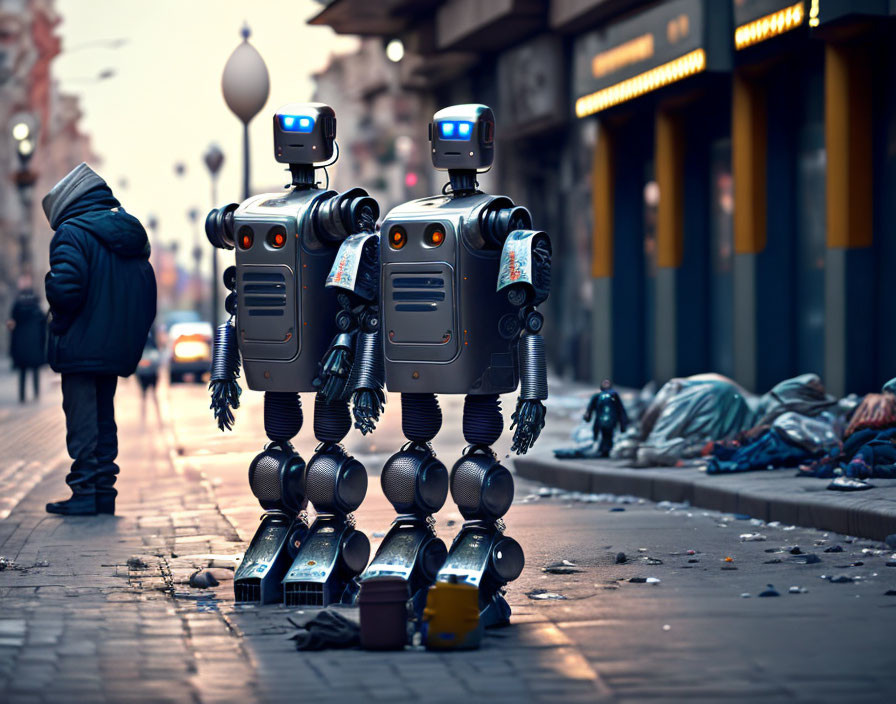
(99, 609)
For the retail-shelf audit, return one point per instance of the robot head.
(304, 133)
(463, 137)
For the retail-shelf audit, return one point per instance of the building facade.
(714, 173)
(28, 45)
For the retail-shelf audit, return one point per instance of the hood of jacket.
(83, 198)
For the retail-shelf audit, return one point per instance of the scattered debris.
(834, 548)
(857, 563)
(770, 591)
(693, 560)
(652, 561)
(752, 537)
(891, 540)
(562, 567)
(644, 580)
(773, 561)
(617, 509)
(136, 563)
(5, 563)
(795, 550)
(891, 563)
(203, 579)
(890, 592)
(798, 590)
(642, 549)
(544, 491)
(620, 558)
(667, 627)
(849, 484)
(841, 579)
(692, 552)
(808, 559)
(544, 595)
(745, 595)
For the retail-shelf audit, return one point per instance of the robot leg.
(333, 553)
(606, 442)
(416, 484)
(482, 488)
(277, 480)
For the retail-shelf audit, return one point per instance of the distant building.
(28, 44)
(716, 175)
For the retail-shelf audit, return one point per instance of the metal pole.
(215, 282)
(245, 160)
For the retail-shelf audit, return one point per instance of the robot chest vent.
(420, 293)
(264, 294)
(420, 307)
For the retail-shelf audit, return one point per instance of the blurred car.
(190, 351)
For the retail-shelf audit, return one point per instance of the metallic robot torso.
(282, 331)
(446, 327)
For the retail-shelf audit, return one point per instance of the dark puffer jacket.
(101, 288)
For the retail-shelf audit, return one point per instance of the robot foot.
(275, 544)
(482, 555)
(325, 569)
(412, 552)
(333, 554)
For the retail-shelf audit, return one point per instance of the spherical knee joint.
(276, 477)
(481, 487)
(414, 481)
(335, 481)
(507, 559)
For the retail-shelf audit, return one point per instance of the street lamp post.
(214, 159)
(246, 86)
(193, 214)
(25, 179)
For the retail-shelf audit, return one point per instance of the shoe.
(77, 505)
(105, 503)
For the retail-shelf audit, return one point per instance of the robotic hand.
(336, 368)
(528, 419)
(366, 408)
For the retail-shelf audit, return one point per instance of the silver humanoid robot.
(283, 324)
(461, 276)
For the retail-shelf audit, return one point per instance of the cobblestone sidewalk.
(99, 608)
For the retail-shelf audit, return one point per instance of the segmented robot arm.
(225, 390)
(525, 273)
(354, 364)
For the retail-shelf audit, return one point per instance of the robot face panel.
(304, 133)
(463, 137)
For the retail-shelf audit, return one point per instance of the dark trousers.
(605, 445)
(23, 373)
(91, 434)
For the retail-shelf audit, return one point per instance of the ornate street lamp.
(25, 178)
(246, 86)
(214, 159)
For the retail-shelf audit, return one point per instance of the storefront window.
(651, 210)
(721, 234)
(811, 229)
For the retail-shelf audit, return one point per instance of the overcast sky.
(164, 103)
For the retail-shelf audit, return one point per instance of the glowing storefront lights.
(769, 26)
(675, 70)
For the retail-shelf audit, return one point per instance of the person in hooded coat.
(102, 294)
(28, 326)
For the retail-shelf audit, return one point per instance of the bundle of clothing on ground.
(709, 418)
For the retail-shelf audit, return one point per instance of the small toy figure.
(461, 276)
(607, 410)
(285, 324)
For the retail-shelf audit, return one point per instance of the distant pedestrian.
(607, 410)
(28, 326)
(148, 375)
(102, 295)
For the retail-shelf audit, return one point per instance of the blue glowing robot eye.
(455, 130)
(296, 123)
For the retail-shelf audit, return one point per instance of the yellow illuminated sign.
(675, 70)
(770, 26)
(630, 52)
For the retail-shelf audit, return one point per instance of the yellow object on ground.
(451, 617)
